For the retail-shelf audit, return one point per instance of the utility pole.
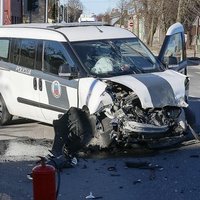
(67, 11)
(180, 3)
(30, 16)
(46, 11)
(1, 12)
(58, 1)
(197, 35)
(63, 13)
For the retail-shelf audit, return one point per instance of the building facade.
(37, 15)
(16, 11)
(1, 12)
(12, 11)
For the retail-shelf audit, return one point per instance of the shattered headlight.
(173, 112)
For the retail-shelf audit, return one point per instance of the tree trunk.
(178, 18)
(154, 23)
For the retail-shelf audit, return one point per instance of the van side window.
(4, 49)
(16, 45)
(23, 52)
(27, 58)
(39, 54)
(54, 56)
(175, 48)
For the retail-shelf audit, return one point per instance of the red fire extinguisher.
(44, 181)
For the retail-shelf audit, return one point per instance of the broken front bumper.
(146, 131)
(144, 128)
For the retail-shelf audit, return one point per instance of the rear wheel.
(5, 116)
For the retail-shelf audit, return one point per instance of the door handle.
(40, 84)
(35, 83)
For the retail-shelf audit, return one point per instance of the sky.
(96, 6)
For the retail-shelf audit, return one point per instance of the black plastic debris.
(143, 165)
(113, 169)
(114, 175)
(137, 181)
(62, 161)
(137, 164)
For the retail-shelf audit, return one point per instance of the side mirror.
(65, 70)
(170, 61)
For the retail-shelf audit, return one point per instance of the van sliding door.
(23, 86)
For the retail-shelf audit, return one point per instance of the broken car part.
(143, 165)
(72, 131)
(91, 196)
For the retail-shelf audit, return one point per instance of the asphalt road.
(194, 75)
(175, 173)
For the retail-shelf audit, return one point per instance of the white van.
(45, 69)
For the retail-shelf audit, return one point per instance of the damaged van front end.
(138, 109)
(128, 97)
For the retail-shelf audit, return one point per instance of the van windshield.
(116, 57)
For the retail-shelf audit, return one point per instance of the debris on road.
(90, 196)
(112, 169)
(143, 165)
(137, 181)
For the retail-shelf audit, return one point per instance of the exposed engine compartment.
(120, 120)
(127, 122)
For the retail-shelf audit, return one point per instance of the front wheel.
(5, 116)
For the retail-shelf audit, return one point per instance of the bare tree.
(122, 6)
(165, 13)
(74, 9)
(189, 10)
(151, 12)
(104, 17)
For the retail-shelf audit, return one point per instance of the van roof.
(83, 31)
(56, 25)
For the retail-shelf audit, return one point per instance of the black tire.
(103, 134)
(73, 131)
(5, 116)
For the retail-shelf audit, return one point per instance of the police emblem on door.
(56, 89)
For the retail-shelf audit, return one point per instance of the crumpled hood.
(156, 90)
